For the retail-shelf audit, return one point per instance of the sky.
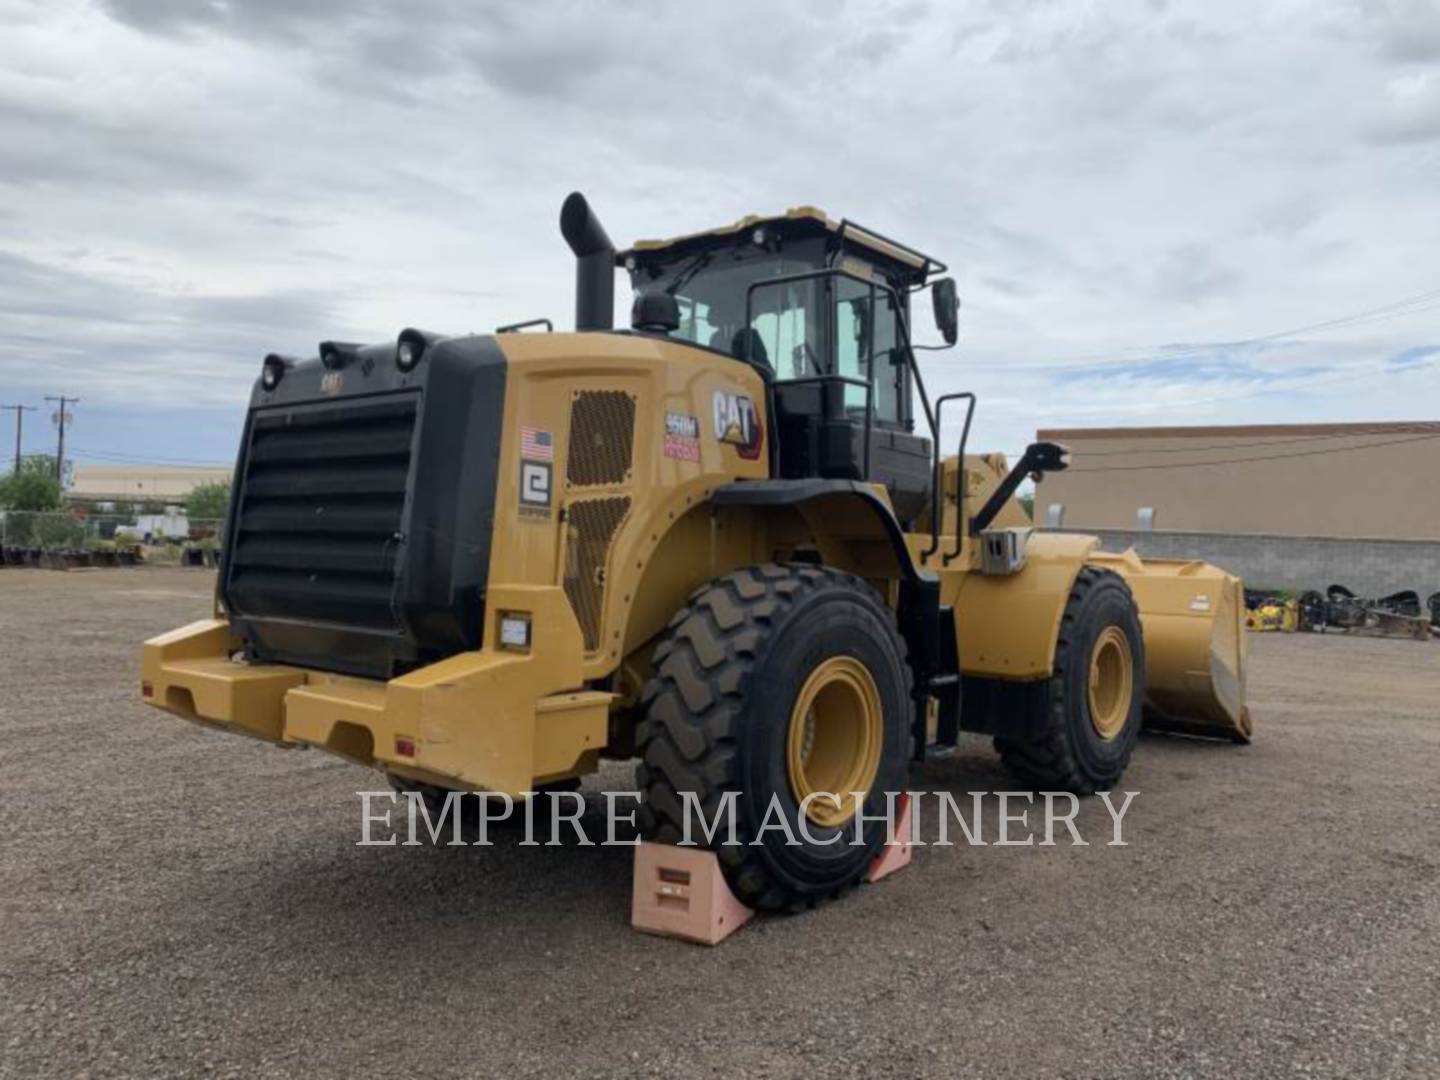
(1156, 213)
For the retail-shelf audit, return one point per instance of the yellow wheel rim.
(1112, 682)
(836, 731)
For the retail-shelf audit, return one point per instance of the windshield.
(789, 321)
(711, 290)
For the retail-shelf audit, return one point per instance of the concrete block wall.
(1369, 567)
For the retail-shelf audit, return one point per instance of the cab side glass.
(786, 318)
(853, 345)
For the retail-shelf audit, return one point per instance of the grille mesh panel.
(592, 524)
(322, 498)
(602, 437)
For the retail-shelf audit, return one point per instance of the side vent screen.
(592, 524)
(602, 437)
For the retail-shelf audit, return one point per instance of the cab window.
(798, 329)
(856, 352)
(787, 319)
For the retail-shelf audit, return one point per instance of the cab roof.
(797, 222)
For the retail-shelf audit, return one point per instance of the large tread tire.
(717, 714)
(1071, 755)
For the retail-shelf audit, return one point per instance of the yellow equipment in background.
(1273, 614)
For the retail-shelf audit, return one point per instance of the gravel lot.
(178, 902)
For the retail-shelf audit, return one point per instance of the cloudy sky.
(1157, 212)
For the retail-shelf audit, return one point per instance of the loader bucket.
(1192, 615)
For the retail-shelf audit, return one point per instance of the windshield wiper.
(689, 271)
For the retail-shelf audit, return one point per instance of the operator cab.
(821, 309)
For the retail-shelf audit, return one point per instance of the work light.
(411, 346)
(273, 370)
(337, 354)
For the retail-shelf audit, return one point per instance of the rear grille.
(592, 524)
(322, 499)
(602, 437)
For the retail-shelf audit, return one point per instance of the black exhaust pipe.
(594, 264)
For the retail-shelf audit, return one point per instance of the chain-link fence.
(70, 538)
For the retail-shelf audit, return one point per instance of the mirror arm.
(1039, 458)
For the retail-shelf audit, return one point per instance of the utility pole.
(60, 453)
(19, 411)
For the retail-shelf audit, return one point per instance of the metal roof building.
(1315, 480)
(137, 483)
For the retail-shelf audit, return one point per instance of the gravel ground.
(181, 902)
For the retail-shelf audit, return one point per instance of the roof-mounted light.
(411, 347)
(407, 353)
(273, 369)
(337, 354)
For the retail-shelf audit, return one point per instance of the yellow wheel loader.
(726, 540)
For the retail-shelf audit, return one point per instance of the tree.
(34, 487)
(208, 502)
(1027, 503)
(44, 465)
(41, 464)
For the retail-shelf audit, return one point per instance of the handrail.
(836, 271)
(928, 266)
(938, 506)
(851, 381)
(813, 275)
(904, 328)
(514, 327)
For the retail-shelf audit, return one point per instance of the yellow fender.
(1191, 613)
(1007, 626)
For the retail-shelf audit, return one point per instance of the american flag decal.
(536, 445)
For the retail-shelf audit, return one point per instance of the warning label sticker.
(682, 436)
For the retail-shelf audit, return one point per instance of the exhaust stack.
(594, 264)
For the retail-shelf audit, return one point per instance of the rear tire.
(1096, 693)
(774, 681)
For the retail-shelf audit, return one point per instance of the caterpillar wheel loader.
(726, 541)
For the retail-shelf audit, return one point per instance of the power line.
(1364, 373)
(137, 459)
(1384, 311)
(1395, 309)
(1351, 376)
(1249, 460)
(1380, 314)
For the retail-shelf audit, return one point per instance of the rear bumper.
(482, 720)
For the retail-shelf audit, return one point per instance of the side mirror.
(947, 309)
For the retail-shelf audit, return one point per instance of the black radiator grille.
(320, 514)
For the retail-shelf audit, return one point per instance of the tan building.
(141, 483)
(1377, 480)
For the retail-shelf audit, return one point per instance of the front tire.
(1096, 694)
(776, 682)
